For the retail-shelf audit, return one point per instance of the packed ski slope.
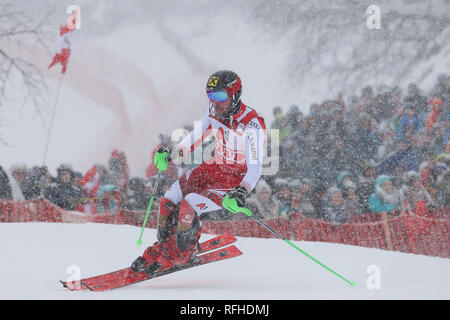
(35, 256)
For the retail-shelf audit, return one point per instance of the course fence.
(422, 232)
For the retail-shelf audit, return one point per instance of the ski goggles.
(219, 96)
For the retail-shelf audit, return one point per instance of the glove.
(239, 193)
(162, 158)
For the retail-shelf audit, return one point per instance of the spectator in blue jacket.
(404, 157)
(409, 123)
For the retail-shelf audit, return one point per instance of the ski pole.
(155, 187)
(232, 206)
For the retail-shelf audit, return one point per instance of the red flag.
(62, 48)
(90, 182)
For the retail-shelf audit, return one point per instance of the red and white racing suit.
(237, 160)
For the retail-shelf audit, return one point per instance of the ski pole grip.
(231, 205)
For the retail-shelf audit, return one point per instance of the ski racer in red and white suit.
(237, 161)
(234, 169)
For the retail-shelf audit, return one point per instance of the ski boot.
(184, 251)
(150, 255)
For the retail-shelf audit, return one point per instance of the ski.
(125, 277)
(205, 246)
(216, 242)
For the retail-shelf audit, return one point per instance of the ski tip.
(235, 250)
(230, 236)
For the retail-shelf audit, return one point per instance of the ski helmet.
(229, 82)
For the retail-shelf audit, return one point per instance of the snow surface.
(36, 256)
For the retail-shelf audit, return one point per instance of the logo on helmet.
(213, 81)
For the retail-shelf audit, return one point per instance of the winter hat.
(446, 160)
(436, 102)
(277, 111)
(382, 88)
(306, 181)
(364, 116)
(342, 175)
(261, 185)
(280, 182)
(407, 106)
(295, 183)
(441, 156)
(410, 176)
(440, 175)
(383, 126)
(20, 167)
(438, 168)
(137, 183)
(65, 167)
(429, 153)
(349, 186)
(77, 175)
(380, 180)
(319, 188)
(367, 90)
(105, 188)
(293, 110)
(332, 190)
(369, 165)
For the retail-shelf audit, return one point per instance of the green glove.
(162, 158)
(239, 193)
(231, 205)
(235, 199)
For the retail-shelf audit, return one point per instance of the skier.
(234, 170)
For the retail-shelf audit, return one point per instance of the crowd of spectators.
(382, 151)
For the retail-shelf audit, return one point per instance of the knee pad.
(189, 233)
(166, 207)
(186, 213)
